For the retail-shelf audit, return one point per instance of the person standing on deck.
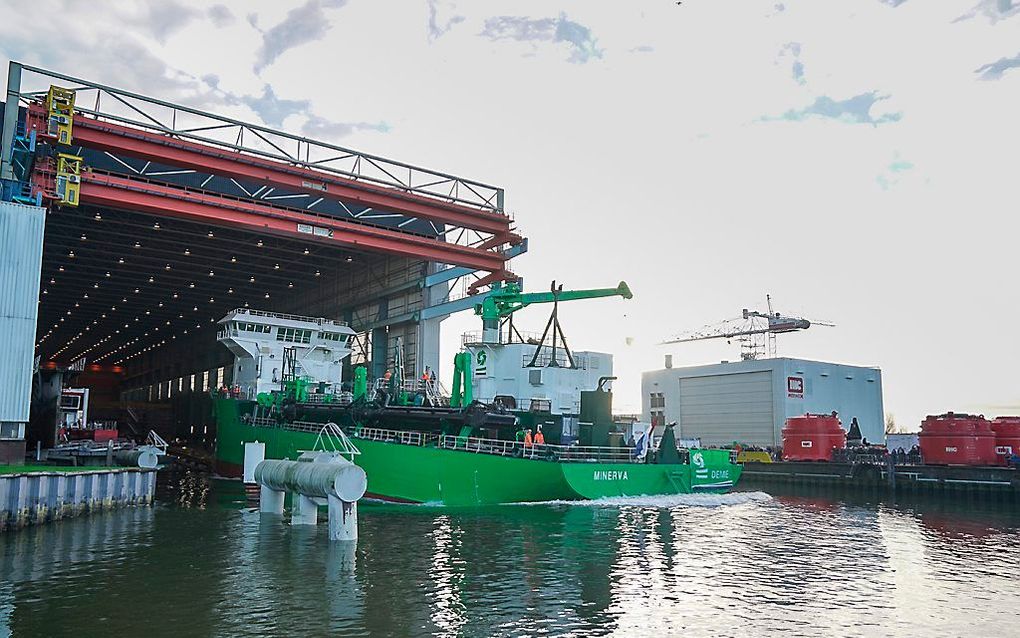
(539, 440)
(518, 438)
(528, 443)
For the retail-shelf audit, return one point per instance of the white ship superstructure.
(268, 345)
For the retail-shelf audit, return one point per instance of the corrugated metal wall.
(21, 245)
(724, 408)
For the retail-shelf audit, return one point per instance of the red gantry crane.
(756, 331)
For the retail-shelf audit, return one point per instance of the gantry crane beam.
(166, 149)
(124, 193)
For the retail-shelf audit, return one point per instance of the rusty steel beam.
(165, 149)
(124, 193)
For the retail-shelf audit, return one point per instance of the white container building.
(749, 401)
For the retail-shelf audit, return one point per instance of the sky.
(856, 160)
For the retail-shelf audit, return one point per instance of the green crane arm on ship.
(508, 299)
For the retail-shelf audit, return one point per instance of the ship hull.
(419, 474)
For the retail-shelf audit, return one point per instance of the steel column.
(10, 120)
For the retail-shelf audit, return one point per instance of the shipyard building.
(749, 401)
(161, 219)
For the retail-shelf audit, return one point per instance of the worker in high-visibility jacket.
(539, 437)
(528, 443)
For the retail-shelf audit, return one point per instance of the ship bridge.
(144, 222)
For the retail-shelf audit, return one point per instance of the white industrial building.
(749, 401)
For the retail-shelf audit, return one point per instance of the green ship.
(528, 419)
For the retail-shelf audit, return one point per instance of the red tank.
(957, 439)
(812, 437)
(1007, 437)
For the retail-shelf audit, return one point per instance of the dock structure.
(985, 483)
(35, 495)
(131, 225)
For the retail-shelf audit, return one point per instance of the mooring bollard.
(317, 478)
(254, 453)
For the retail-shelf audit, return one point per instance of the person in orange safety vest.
(539, 437)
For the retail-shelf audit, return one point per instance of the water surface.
(200, 563)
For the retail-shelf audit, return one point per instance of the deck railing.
(499, 447)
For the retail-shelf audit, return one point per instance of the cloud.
(797, 67)
(303, 24)
(644, 48)
(584, 46)
(854, 110)
(322, 129)
(271, 109)
(994, 10)
(437, 27)
(994, 70)
(893, 3)
(894, 172)
(165, 18)
(220, 15)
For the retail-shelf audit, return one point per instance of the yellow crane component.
(59, 113)
(68, 178)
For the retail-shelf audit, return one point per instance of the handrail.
(183, 122)
(290, 317)
(500, 447)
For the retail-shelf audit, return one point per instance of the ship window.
(330, 336)
(656, 400)
(541, 405)
(294, 335)
(506, 401)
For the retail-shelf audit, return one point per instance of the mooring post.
(270, 501)
(343, 520)
(304, 511)
(254, 453)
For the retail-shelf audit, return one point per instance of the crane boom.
(753, 329)
(508, 299)
(503, 301)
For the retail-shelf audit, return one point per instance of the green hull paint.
(457, 478)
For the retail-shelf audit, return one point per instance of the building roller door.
(721, 409)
